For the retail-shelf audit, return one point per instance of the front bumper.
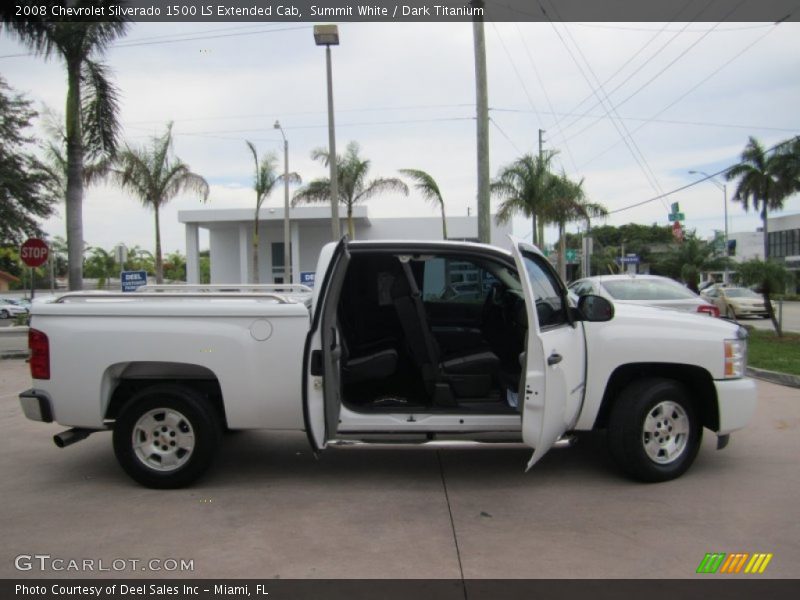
(736, 402)
(36, 405)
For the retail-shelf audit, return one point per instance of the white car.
(380, 354)
(9, 309)
(649, 290)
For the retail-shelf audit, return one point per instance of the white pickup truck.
(399, 341)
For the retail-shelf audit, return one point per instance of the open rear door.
(323, 352)
(553, 374)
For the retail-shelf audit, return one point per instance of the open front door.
(322, 390)
(552, 383)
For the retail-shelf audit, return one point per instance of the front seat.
(462, 375)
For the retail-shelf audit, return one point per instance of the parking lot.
(269, 509)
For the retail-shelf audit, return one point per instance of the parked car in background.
(650, 290)
(736, 302)
(9, 309)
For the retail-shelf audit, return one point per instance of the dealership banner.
(337, 11)
(383, 589)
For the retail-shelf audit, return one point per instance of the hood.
(663, 318)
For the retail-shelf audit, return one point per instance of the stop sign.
(34, 252)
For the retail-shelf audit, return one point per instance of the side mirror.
(595, 308)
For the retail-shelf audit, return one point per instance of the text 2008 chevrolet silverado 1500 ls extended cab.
(400, 340)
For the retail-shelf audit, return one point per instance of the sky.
(631, 108)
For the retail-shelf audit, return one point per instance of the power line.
(556, 122)
(505, 135)
(640, 161)
(156, 41)
(668, 121)
(694, 183)
(637, 53)
(315, 112)
(625, 28)
(686, 93)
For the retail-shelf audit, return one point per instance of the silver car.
(10, 309)
(650, 290)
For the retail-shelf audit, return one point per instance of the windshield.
(647, 289)
(741, 293)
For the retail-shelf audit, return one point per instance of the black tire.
(175, 412)
(648, 402)
(4, 314)
(730, 313)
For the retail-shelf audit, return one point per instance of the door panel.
(322, 386)
(552, 386)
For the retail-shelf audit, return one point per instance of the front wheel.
(4, 314)
(654, 432)
(730, 313)
(166, 436)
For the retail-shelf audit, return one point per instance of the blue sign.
(131, 280)
(307, 278)
(632, 259)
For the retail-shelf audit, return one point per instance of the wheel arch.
(122, 380)
(696, 380)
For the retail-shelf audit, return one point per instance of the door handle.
(554, 359)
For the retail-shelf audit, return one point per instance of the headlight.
(735, 358)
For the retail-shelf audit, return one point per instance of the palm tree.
(526, 186)
(91, 115)
(568, 203)
(787, 159)
(155, 178)
(429, 189)
(760, 182)
(353, 184)
(102, 265)
(689, 258)
(264, 181)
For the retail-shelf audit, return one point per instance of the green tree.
(155, 177)
(91, 108)
(771, 277)
(526, 186)
(264, 181)
(686, 260)
(27, 192)
(175, 266)
(567, 204)
(354, 187)
(760, 182)
(140, 259)
(101, 265)
(427, 186)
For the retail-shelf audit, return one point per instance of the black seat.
(466, 374)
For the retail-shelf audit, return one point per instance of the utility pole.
(482, 119)
(539, 223)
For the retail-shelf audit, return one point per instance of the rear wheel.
(654, 432)
(4, 314)
(166, 436)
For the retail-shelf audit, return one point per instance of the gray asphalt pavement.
(269, 509)
(791, 318)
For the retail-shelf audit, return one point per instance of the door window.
(455, 280)
(548, 292)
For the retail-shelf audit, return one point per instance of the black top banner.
(321, 11)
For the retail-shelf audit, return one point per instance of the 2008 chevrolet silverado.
(399, 341)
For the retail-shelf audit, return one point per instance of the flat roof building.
(231, 238)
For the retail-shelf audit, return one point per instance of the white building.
(231, 238)
(783, 238)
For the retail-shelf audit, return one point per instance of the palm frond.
(99, 110)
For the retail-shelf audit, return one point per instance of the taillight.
(40, 354)
(708, 309)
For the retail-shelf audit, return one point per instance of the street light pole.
(328, 35)
(287, 254)
(724, 188)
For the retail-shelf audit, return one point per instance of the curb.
(775, 377)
